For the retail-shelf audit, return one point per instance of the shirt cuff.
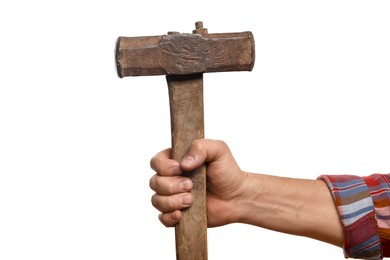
(379, 186)
(357, 214)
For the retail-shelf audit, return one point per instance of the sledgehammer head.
(182, 54)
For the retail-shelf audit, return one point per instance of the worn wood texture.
(187, 124)
(181, 54)
(183, 58)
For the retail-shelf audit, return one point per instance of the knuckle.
(157, 161)
(159, 185)
(170, 203)
(152, 182)
(170, 187)
(163, 203)
(153, 162)
(163, 185)
(221, 143)
(154, 201)
(198, 144)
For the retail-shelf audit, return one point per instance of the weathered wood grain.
(184, 58)
(187, 125)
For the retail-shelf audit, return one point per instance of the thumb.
(202, 151)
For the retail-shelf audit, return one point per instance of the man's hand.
(294, 206)
(173, 191)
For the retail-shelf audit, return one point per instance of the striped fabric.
(379, 186)
(357, 203)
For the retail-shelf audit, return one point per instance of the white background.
(75, 140)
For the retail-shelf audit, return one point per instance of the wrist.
(250, 206)
(293, 206)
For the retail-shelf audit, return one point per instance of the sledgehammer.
(183, 58)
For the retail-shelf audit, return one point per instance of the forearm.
(293, 206)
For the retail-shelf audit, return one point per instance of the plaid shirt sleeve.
(363, 204)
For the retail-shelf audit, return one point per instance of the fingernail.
(187, 199)
(188, 161)
(186, 185)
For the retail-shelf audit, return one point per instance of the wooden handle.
(187, 124)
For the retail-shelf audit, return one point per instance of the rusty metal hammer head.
(181, 54)
(183, 58)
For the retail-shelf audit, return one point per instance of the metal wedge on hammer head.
(183, 58)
